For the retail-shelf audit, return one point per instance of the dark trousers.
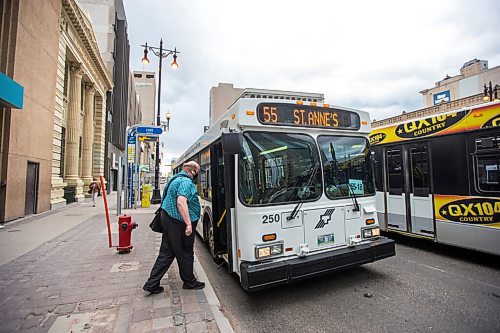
(174, 244)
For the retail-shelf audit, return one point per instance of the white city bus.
(287, 191)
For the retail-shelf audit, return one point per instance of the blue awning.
(11, 93)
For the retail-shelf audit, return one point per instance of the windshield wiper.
(350, 190)
(295, 211)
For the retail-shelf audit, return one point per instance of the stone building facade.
(29, 37)
(82, 81)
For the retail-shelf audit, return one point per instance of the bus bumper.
(257, 276)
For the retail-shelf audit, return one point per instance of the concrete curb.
(213, 301)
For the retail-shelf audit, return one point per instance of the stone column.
(88, 135)
(74, 190)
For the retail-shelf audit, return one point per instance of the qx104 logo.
(428, 126)
(377, 138)
(473, 210)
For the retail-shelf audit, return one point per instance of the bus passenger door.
(217, 231)
(396, 188)
(422, 222)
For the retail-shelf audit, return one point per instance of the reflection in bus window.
(420, 171)
(346, 162)
(277, 168)
(394, 172)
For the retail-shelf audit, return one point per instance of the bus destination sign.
(306, 116)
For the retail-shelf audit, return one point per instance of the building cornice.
(83, 27)
(429, 111)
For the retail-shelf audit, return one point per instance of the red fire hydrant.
(125, 227)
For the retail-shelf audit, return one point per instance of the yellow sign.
(446, 123)
(146, 194)
(483, 211)
(131, 153)
(147, 138)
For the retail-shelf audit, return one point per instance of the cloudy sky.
(365, 54)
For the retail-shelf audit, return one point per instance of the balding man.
(179, 215)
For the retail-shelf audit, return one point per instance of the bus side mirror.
(232, 143)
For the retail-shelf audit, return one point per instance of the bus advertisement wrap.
(473, 210)
(441, 124)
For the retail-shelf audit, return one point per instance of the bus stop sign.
(149, 130)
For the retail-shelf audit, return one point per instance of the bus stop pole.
(119, 188)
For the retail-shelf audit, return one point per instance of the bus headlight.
(371, 232)
(263, 252)
(268, 250)
(276, 249)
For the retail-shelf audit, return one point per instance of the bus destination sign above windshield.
(306, 116)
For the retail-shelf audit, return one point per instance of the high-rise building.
(145, 86)
(111, 25)
(224, 95)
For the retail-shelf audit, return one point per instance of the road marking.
(455, 275)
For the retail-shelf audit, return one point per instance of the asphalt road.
(426, 287)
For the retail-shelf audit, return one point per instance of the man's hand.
(189, 229)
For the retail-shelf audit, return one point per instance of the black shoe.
(156, 290)
(196, 285)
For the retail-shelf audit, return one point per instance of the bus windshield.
(346, 160)
(278, 168)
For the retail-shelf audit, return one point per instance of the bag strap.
(168, 185)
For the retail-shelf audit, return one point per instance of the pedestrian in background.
(179, 215)
(94, 190)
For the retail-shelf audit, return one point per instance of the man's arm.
(183, 209)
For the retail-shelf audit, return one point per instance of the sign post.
(132, 186)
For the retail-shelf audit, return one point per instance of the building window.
(82, 89)
(66, 79)
(63, 152)
(80, 148)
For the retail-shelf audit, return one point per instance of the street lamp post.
(161, 53)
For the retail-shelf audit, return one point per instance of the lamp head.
(168, 115)
(145, 60)
(174, 63)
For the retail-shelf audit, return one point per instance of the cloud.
(371, 55)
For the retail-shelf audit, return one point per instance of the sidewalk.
(73, 282)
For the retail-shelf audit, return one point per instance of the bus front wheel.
(211, 243)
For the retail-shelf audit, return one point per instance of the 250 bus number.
(271, 218)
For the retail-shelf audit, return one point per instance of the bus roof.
(242, 115)
(466, 119)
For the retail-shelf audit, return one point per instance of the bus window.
(488, 168)
(420, 171)
(394, 171)
(378, 167)
(205, 188)
(278, 168)
(487, 163)
(346, 162)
